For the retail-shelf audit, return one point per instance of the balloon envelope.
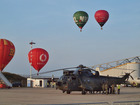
(80, 18)
(101, 17)
(38, 57)
(7, 51)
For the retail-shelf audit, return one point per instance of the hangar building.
(120, 67)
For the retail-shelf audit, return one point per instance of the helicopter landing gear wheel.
(91, 92)
(68, 91)
(83, 92)
(63, 91)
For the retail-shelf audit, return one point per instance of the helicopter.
(82, 79)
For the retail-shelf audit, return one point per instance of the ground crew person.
(47, 84)
(106, 88)
(113, 89)
(118, 88)
(136, 84)
(110, 89)
(103, 88)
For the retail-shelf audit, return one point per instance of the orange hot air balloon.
(38, 57)
(7, 51)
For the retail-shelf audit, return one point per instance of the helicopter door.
(74, 84)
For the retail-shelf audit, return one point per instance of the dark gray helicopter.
(82, 79)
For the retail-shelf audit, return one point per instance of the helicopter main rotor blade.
(55, 70)
(91, 69)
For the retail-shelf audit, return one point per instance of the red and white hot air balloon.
(38, 57)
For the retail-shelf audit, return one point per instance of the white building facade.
(42, 81)
(32, 82)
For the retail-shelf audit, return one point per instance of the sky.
(50, 24)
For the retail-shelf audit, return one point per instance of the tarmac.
(37, 96)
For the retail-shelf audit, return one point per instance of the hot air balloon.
(80, 18)
(7, 51)
(101, 17)
(38, 57)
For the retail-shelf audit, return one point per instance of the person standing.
(113, 89)
(103, 88)
(106, 88)
(118, 88)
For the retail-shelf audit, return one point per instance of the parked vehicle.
(2, 86)
(16, 84)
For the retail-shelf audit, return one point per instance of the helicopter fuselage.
(84, 80)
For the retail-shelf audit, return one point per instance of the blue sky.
(50, 24)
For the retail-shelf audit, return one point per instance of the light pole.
(31, 43)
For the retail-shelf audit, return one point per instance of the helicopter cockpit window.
(88, 72)
(61, 78)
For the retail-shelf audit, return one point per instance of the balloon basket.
(80, 30)
(101, 28)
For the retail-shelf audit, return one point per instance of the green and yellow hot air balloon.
(80, 18)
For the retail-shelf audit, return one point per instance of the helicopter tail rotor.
(127, 75)
(131, 75)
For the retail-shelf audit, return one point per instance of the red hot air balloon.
(38, 57)
(101, 17)
(7, 51)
